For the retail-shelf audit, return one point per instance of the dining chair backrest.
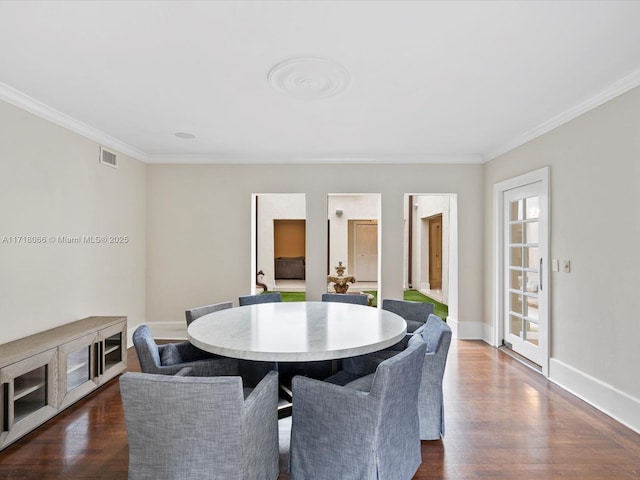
(357, 298)
(200, 427)
(367, 429)
(272, 297)
(169, 358)
(437, 336)
(414, 313)
(197, 312)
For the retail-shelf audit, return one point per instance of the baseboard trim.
(162, 331)
(453, 324)
(467, 330)
(619, 405)
(178, 330)
(488, 334)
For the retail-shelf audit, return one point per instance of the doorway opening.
(354, 238)
(289, 252)
(279, 242)
(430, 234)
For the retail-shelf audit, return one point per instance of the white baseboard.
(488, 334)
(178, 330)
(453, 323)
(461, 330)
(467, 330)
(162, 331)
(617, 404)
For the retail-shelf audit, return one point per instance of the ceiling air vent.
(108, 157)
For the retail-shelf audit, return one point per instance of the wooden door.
(435, 252)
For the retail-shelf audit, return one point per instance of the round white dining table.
(296, 331)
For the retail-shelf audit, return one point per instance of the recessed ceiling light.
(185, 135)
(309, 78)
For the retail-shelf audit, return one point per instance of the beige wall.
(51, 185)
(594, 222)
(199, 253)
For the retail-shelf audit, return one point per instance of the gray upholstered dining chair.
(197, 312)
(437, 336)
(259, 298)
(355, 298)
(414, 313)
(170, 358)
(362, 428)
(207, 428)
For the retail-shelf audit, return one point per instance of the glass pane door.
(524, 324)
(523, 268)
(113, 350)
(29, 392)
(78, 367)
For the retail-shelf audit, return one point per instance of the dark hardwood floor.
(503, 421)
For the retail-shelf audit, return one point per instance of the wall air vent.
(108, 157)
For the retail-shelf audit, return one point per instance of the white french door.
(525, 311)
(521, 208)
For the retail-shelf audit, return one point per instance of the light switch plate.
(555, 265)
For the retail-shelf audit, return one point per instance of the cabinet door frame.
(66, 398)
(14, 429)
(105, 374)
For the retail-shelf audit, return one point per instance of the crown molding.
(30, 104)
(615, 89)
(252, 159)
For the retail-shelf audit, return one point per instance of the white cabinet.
(42, 374)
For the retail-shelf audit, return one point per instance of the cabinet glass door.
(113, 352)
(29, 392)
(77, 369)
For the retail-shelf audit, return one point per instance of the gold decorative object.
(340, 280)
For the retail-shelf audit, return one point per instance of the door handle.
(540, 274)
(96, 359)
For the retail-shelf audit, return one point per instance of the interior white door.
(525, 253)
(366, 252)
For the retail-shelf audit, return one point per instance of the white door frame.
(540, 175)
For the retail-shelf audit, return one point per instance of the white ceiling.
(428, 81)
